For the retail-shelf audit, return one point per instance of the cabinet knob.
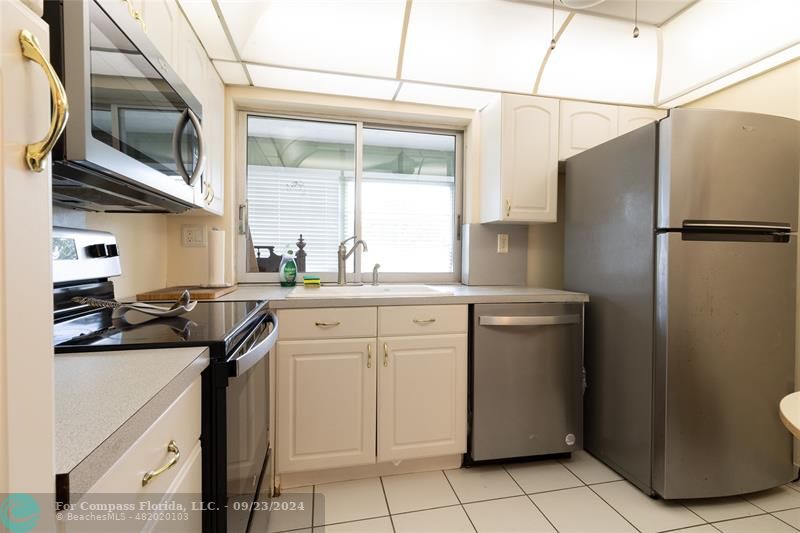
(508, 208)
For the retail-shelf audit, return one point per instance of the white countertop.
(450, 294)
(97, 393)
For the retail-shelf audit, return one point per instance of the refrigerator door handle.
(736, 226)
(548, 320)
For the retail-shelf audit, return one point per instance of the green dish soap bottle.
(288, 269)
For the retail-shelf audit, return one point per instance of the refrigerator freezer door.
(725, 166)
(725, 341)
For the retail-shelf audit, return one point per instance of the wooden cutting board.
(173, 293)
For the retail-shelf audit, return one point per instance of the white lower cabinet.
(422, 396)
(325, 403)
(358, 401)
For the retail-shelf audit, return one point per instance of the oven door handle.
(251, 357)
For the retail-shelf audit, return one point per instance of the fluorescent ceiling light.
(318, 82)
(491, 44)
(231, 72)
(776, 60)
(207, 26)
(598, 59)
(422, 93)
(348, 36)
(711, 39)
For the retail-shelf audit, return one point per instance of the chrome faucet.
(343, 254)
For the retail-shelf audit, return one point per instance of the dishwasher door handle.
(545, 320)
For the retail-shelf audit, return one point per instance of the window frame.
(360, 277)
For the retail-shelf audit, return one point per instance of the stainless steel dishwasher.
(526, 380)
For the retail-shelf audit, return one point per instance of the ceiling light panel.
(712, 39)
(318, 82)
(347, 36)
(231, 72)
(203, 18)
(490, 44)
(421, 93)
(597, 58)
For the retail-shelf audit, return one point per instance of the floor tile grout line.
(426, 509)
(531, 499)
(463, 509)
(388, 507)
(613, 508)
(782, 520)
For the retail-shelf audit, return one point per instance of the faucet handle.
(375, 273)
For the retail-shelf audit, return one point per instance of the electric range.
(235, 397)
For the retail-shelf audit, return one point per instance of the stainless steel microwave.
(134, 138)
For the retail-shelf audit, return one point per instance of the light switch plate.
(193, 235)
(502, 243)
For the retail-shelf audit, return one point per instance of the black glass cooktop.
(208, 324)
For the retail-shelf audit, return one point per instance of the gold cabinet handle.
(36, 153)
(327, 324)
(172, 448)
(385, 354)
(508, 208)
(424, 321)
(209, 194)
(369, 355)
(135, 15)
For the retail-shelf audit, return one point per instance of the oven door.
(131, 116)
(247, 405)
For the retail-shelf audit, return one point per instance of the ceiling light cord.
(553, 28)
(636, 19)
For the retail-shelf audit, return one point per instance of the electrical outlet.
(193, 235)
(502, 243)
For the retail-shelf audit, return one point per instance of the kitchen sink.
(367, 291)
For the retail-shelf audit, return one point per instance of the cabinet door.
(584, 125)
(422, 396)
(529, 158)
(631, 118)
(213, 183)
(325, 404)
(160, 17)
(26, 342)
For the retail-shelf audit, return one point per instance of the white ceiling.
(460, 52)
(654, 12)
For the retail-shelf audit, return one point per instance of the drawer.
(328, 323)
(422, 320)
(181, 423)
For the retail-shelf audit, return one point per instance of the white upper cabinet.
(161, 19)
(519, 159)
(584, 125)
(631, 118)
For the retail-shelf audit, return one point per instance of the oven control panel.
(80, 254)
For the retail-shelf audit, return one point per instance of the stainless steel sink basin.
(367, 291)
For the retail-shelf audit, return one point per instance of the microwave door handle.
(251, 357)
(200, 167)
(177, 144)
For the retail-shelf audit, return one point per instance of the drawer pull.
(424, 321)
(369, 355)
(385, 354)
(327, 324)
(172, 448)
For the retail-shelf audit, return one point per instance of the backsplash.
(142, 240)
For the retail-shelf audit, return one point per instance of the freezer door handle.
(736, 226)
(545, 320)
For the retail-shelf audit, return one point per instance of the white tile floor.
(579, 494)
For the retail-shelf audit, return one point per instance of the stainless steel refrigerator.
(682, 234)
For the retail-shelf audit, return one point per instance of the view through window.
(302, 179)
